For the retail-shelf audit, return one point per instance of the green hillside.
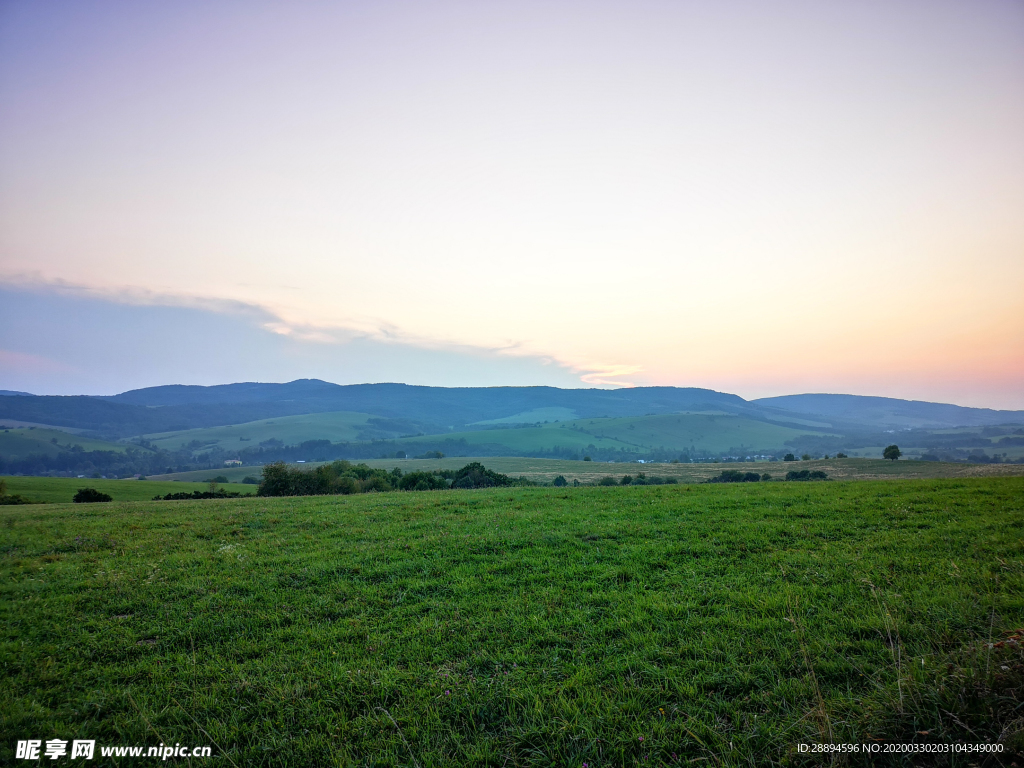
(534, 416)
(338, 427)
(710, 432)
(693, 432)
(19, 442)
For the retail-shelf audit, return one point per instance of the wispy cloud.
(310, 336)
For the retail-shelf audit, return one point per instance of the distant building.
(233, 463)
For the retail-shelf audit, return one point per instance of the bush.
(341, 477)
(185, 495)
(789, 457)
(607, 481)
(587, 458)
(12, 499)
(560, 482)
(476, 475)
(806, 474)
(250, 480)
(735, 476)
(90, 496)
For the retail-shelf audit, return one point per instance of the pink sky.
(758, 198)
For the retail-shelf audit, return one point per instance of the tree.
(891, 452)
(560, 481)
(789, 457)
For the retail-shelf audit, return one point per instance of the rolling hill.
(20, 442)
(370, 420)
(338, 426)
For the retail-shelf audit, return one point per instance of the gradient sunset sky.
(757, 197)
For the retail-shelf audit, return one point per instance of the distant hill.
(408, 409)
(14, 393)
(888, 412)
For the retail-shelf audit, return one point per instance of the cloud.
(66, 339)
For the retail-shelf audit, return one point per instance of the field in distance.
(19, 442)
(546, 470)
(525, 626)
(61, 490)
(694, 432)
(711, 432)
(338, 426)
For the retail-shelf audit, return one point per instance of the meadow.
(58, 490)
(649, 626)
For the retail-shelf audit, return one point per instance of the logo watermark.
(55, 749)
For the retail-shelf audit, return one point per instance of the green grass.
(534, 416)
(525, 627)
(19, 442)
(59, 490)
(339, 426)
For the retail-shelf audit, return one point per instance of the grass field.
(546, 470)
(60, 490)
(19, 442)
(340, 426)
(648, 626)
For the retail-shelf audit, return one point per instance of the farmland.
(529, 626)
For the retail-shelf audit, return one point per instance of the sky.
(759, 198)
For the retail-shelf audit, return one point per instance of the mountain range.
(435, 410)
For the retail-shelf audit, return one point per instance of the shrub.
(185, 495)
(90, 496)
(250, 480)
(735, 476)
(789, 457)
(607, 481)
(806, 474)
